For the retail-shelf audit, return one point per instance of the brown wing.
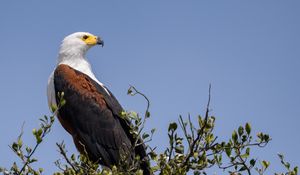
(90, 115)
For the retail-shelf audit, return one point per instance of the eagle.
(91, 114)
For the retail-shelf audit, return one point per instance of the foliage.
(193, 148)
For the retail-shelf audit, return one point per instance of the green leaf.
(296, 170)
(20, 143)
(234, 136)
(195, 154)
(172, 126)
(243, 168)
(63, 102)
(33, 160)
(34, 131)
(248, 128)
(252, 162)
(200, 121)
(129, 91)
(73, 157)
(41, 170)
(28, 149)
(280, 156)
(248, 151)
(266, 137)
(265, 164)
(241, 131)
(52, 118)
(228, 151)
(147, 114)
(244, 138)
(153, 155)
(15, 146)
(246, 155)
(40, 132)
(209, 138)
(179, 149)
(53, 108)
(145, 135)
(287, 165)
(260, 137)
(133, 115)
(220, 159)
(39, 139)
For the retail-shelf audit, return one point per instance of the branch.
(63, 153)
(200, 133)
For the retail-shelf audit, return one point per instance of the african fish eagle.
(91, 113)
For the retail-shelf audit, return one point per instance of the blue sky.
(171, 51)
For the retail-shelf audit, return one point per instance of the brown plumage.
(92, 117)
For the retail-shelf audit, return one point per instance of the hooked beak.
(100, 41)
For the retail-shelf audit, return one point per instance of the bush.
(194, 151)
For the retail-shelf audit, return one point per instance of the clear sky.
(170, 50)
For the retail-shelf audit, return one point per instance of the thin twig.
(63, 153)
(145, 117)
(29, 156)
(200, 133)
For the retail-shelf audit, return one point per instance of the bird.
(91, 113)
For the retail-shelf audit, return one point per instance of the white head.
(77, 44)
(72, 53)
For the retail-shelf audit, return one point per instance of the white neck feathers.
(75, 57)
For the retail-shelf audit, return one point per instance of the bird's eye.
(85, 37)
